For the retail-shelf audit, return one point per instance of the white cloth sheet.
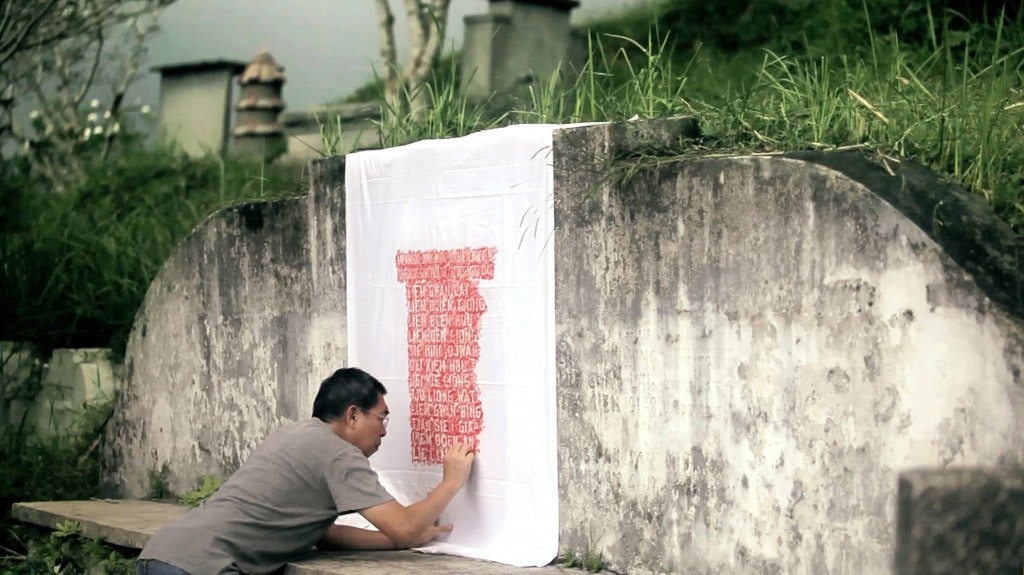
(451, 306)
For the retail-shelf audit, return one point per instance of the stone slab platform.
(129, 523)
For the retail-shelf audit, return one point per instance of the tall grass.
(446, 114)
(954, 103)
(956, 108)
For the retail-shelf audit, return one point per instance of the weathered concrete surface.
(408, 563)
(73, 381)
(750, 349)
(960, 522)
(50, 397)
(130, 523)
(236, 332)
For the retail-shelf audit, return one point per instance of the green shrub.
(208, 485)
(827, 26)
(65, 551)
(52, 469)
(74, 267)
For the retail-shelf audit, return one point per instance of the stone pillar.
(516, 44)
(195, 104)
(960, 521)
(257, 130)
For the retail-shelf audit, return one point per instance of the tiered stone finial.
(257, 130)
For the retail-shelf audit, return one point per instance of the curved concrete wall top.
(750, 349)
(237, 330)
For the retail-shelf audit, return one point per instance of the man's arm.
(348, 538)
(416, 524)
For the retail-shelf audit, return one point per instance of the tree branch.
(437, 17)
(84, 88)
(11, 46)
(417, 37)
(387, 52)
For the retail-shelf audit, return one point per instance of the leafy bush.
(45, 470)
(48, 469)
(66, 552)
(74, 267)
(208, 485)
(827, 26)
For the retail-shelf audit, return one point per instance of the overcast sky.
(328, 47)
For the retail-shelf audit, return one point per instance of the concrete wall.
(235, 334)
(749, 349)
(48, 397)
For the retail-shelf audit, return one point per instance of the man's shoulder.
(311, 435)
(306, 427)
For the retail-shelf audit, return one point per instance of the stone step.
(130, 522)
(127, 523)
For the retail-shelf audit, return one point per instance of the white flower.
(106, 114)
(33, 114)
(88, 132)
(115, 128)
(91, 118)
(95, 103)
(146, 109)
(98, 130)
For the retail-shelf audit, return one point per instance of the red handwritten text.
(445, 308)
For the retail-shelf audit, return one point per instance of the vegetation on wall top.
(918, 80)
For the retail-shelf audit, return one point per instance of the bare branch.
(436, 17)
(387, 51)
(27, 26)
(97, 57)
(18, 40)
(417, 35)
(57, 54)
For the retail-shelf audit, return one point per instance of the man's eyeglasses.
(384, 419)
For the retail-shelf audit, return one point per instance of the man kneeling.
(287, 495)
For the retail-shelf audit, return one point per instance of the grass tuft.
(953, 98)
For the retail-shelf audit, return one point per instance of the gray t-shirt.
(274, 508)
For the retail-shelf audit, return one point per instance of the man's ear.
(350, 414)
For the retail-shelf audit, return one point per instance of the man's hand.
(433, 532)
(416, 524)
(457, 464)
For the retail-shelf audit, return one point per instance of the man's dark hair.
(345, 387)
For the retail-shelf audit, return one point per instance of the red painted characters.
(445, 307)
